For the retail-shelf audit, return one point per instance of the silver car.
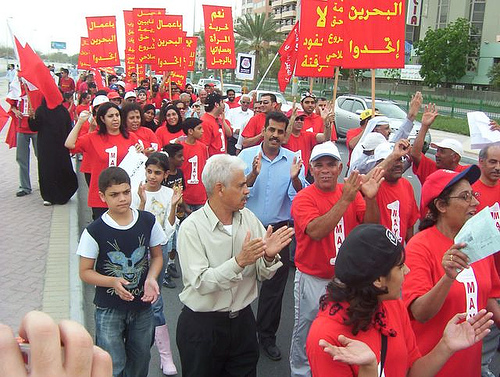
(349, 107)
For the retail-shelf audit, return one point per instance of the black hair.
(159, 159)
(113, 175)
(111, 77)
(127, 108)
(190, 124)
(101, 112)
(163, 118)
(177, 101)
(83, 95)
(363, 300)
(172, 149)
(431, 217)
(277, 116)
(144, 81)
(65, 70)
(230, 90)
(271, 95)
(93, 85)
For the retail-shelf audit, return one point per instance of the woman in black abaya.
(56, 176)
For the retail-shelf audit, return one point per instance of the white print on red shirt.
(193, 180)
(468, 279)
(395, 220)
(112, 155)
(339, 235)
(495, 214)
(223, 139)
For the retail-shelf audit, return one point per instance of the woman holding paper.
(441, 282)
(107, 146)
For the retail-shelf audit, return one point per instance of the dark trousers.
(271, 297)
(214, 345)
(231, 146)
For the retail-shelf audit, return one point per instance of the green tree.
(494, 75)
(443, 53)
(256, 32)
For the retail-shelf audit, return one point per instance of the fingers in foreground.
(11, 362)
(78, 348)
(102, 365)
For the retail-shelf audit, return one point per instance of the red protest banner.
(144, 34)
(102, 40)
(191, 52)
(320, 38)
(219, 37)
(169, 43)
(376, 34)
(179, 77)
(288, 57)
(84, 57)
(129, 42)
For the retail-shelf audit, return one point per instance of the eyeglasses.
(299, 119)
(467, 196)
(245, 103)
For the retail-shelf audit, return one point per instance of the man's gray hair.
(184, 95)
(220, 168)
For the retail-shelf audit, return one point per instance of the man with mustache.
(488, 189)
(274, 176)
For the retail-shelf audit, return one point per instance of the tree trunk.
(353, 87)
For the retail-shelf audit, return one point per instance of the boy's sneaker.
(172, 271)
(168, 282)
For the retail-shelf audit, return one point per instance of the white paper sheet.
(480, 133)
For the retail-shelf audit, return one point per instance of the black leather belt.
(230, 314)
(281, 224)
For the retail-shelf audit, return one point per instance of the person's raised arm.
(428, 117)
(251, 141)
(73, 135)
(256, 165)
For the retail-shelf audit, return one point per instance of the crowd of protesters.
(229, 180)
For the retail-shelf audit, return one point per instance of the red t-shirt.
(397, 206)
(352, 133)
(165, 137)
(195, 158)
(402, 350)
(102, 151)
(304, 143)
(214, 136)
(490, 196)
(81, 108)
(233, 104)
(317, 258)
(85, 164)
(428, 166)
(66, 84)
(147, 137)
(21, 125)
(255, 125)
(424, 254)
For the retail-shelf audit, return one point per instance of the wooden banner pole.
(373, 92)
(169, 87)
(311, 80)
(221, 82)
(335, 83)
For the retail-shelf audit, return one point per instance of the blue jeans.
(157, 306)
(127, 336)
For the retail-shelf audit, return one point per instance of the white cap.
(452, 144)
(325, 149)
(99, 100)
(383, 150)
(130, 95)
(121, 83)
(377, 121)
(372, 140)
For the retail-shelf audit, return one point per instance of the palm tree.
(201, 45)
(256, 32)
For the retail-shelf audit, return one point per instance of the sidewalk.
(469, 154)
(36, 247)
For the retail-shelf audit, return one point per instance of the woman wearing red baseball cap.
(442, 282)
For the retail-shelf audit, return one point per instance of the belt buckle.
(233, 315)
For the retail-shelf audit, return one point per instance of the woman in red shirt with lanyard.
(442, 282)
(170, 128)
(365, 326)
(107, 146)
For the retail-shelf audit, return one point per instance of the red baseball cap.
(440, 180)
(113, 95)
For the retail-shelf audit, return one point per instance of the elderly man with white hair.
(238, 117)
(223, 250)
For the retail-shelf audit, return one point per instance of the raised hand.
(276, 241)
(295, 168)
(352, 185)
(454, 260)
(429, 115)
(257, 163)
(460, 334)
(370, 187)
(415, 104)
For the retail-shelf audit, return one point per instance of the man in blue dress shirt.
(274, 176)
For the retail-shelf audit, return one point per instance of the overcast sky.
(39, 22)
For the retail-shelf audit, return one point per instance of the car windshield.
(388, 109)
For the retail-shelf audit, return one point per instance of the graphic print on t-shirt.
(469, 281)
(129, 268)
(395, 221)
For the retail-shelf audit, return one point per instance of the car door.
(343, 115)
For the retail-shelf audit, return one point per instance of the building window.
(442, 14)
(476, 19)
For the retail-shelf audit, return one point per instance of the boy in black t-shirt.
(114, 257)
(174, 180)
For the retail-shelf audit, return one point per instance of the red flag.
(35, 72)
(99, 82)
(288, 57)
(4, 118)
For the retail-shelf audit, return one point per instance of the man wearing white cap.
(448, 151)
(395, 197)
(324, 213)
(130, 97)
